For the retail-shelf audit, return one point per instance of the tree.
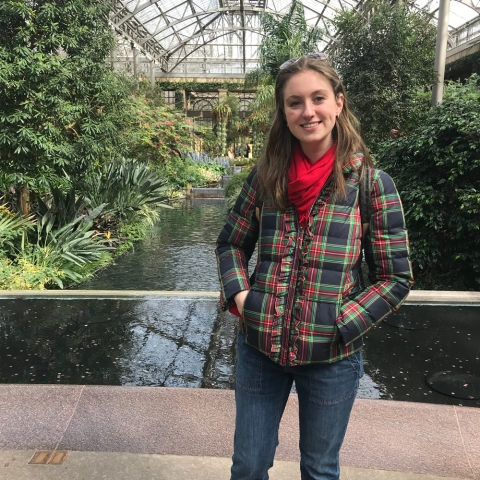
(385, 58)
(437, 172)
(284, 38)
(61, 105)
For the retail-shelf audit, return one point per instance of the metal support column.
(135, 55)
(152, 73)
(441, 50)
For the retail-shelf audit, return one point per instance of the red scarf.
(305, 180)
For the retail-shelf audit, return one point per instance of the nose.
(308, 110)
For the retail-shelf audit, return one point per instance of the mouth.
(310, 125)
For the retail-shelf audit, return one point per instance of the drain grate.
(48, 457)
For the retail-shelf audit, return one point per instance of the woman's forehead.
(306, 83)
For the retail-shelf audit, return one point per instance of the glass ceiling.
(221, 37)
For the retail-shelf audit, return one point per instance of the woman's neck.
(314, 152)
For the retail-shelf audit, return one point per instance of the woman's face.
(310, 110)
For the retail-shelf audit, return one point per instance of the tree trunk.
(25, 200)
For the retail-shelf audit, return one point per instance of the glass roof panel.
(181, 31)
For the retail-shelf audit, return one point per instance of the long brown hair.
(273, 165)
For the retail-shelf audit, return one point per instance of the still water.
(177, 255)
(189, 342)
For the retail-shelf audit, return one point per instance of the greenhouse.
(184, 89)
(211, 212)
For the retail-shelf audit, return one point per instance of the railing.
(464, 34)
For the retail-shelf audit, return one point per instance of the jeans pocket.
(356, 361)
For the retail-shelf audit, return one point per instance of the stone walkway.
(176, 433)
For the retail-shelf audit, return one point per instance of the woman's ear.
(339, 101)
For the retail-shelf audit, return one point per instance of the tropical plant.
(384, 60)
(234, 186)
(286, 37)
(259, 120)
(62, 105)
(437, 171)
(221, 114)
(124, 186)
(76, 243)
(12, 226)
(65, 208)
(157, 134)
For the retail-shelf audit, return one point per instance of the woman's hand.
(239, 299)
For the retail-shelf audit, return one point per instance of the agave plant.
(67, 207)
(124, 186)
(59, 250)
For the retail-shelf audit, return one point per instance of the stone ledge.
(416, 297)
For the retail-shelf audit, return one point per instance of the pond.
(189, 342)
(177, 255)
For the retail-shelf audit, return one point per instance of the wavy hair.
(273, 165)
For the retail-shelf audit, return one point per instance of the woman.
(303, 313)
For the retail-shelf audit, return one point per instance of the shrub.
(437, 171)
(158, 134)
(234, 186)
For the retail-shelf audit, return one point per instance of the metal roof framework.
(222, 37)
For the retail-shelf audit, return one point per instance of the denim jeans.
(326, 393)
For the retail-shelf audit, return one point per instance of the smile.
(310, 125)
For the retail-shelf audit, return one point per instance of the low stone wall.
(416, 297)
(207, 193)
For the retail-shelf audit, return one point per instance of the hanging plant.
(258, 121)
(242, 128)
(221, 114)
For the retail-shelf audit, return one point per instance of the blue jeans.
(326, 393)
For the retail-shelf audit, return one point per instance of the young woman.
(303, 313)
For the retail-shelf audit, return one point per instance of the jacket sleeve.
(387, 255)
(236, 243)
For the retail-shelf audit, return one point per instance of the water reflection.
(191, 343)
(167, 342)
(177, 255)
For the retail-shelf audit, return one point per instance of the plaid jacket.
(305, 304)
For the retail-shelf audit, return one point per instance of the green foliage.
(124, 186)
(234, 186)
(57, 249)
(179, 100)
(465, 65)
(62, 105)
(157, 134)
(221, 115)
(200, 86)
(384, 61)
(20, 274)
(65, 208)
(12, 226)
(437, 172)
(285, 38)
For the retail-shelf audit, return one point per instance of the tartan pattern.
(305, 304)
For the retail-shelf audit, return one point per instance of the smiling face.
(311, 108)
